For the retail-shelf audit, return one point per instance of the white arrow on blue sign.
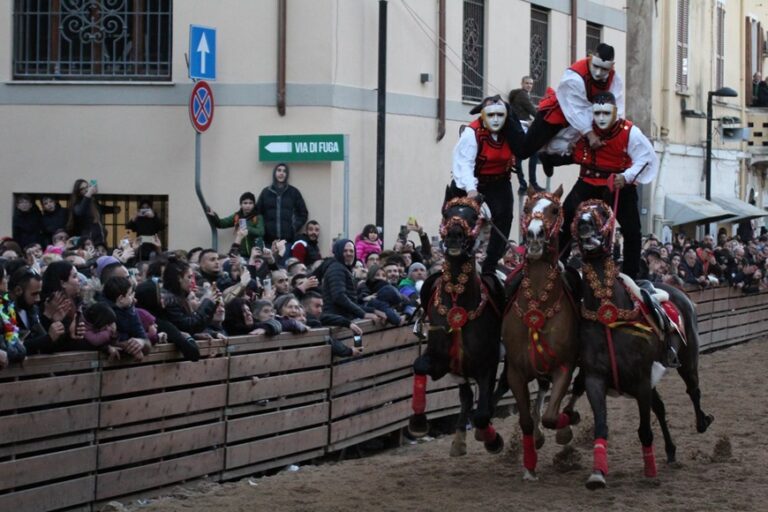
(202, 53)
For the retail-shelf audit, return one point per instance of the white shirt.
(464, 155)
(572, 97)
(641, 152)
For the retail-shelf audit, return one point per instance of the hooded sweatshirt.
(338, 286)
(283, 208)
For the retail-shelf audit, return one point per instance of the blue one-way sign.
(202, 52)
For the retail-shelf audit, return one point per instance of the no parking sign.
(201, 106)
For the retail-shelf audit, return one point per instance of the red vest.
(494, 157)
(597, 164)
(553, 114)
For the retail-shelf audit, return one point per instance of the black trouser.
(532, 161)
(539, 133)
(627, 215)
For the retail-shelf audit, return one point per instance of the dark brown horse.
(540, 326)
(619, 348)
(464, 330)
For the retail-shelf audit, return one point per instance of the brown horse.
(464, 330)
(540, 326)
(619, 347)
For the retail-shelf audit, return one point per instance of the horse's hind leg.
(553, 418)
(657, 405)
(644, 397)
(459, 444)
(596, 388)
(484, 431)
(689, 371)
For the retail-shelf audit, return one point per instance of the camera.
(403, 234)
(358, 341)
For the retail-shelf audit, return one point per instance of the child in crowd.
(119, 295)
(367, 242)
(101, 328)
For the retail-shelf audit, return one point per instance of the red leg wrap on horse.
(529, 453)
(600, 456)
(649, 459)
(489, 434)
(563, 421)
(419, 402)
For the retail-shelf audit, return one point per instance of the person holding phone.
(86, 214)
(146, 224)
(248, 224)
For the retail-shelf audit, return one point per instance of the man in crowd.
(521, 104)
(306, 248)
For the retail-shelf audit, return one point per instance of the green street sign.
(301, 148)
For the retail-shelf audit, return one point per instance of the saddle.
(661, 313)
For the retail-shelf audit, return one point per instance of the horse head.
(541, 221)
(460, 226)
(593, 228)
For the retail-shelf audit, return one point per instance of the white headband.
(605, 64)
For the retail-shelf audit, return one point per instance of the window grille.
(539, 48)
(720, 53)
(594, 37)
(473, 50)
(92, 39)
(682, 46)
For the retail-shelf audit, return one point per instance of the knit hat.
(102, 262)
(247, 195)
(416, 266)
(282, 301)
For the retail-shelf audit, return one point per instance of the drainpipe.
(441, 72)
(574, 29)
(381, 120)
(281, 54)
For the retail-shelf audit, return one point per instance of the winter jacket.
(148, 299)
(306, 251)
(364, 247)
(28, 226)
(85, 225)
(178, 313)
(128, 322)
(338, 287)
(54, 221)
(255, 224)
(284, 212)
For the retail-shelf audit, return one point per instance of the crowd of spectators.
(62, 289)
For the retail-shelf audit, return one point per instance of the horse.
(464, 329)
(619, 348)
(540, 325)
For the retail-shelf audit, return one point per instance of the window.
(720, 50)
(681, 80)
(92, 39)
(594, 37)
(539, 51)
(473, 50)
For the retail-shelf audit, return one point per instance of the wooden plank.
(294, 458)
(721, 292)
(164, 424)
(50, 422)
(164, 444)
(52, 390)
(371, 397)
(367, 435)
(378, 364)
(148, 407)
(385, 340)
(277, 403)
(47, 444)
(280, 385)
(156, 376)
(277, 446)
(376, 380)
(280, 361)
(124, 481)
(243, 344)
(51, 466)
(371, 420)
(261, 425)
(50, 497)
(442, 400)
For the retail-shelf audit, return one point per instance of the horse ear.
(530, 190)
(559, 192)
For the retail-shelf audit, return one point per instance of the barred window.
(594, 37)
(473, 50)
(720, 51)
(681, 81)
(539, 51)
(92, 39)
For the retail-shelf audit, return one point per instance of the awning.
(741, 209)
(684, 209)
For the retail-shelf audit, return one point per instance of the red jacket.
(494, 157)
(612, 158)
(553, 114)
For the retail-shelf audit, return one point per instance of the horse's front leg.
(553, 418)
(596, 387)
(466, 397)
(689, 371)
(644, 431)
(484, 431)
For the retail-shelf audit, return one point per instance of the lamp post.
(726, 92)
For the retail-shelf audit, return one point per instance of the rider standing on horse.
(482, 163)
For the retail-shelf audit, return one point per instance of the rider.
(482, 163)
(565, 115)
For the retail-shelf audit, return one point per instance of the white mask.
(604, 115)
(599, 68)
(494, 116)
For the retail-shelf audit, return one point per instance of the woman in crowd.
(86, 214)
(150, 299)
(282, 207)
(200, 320)
(62, 310)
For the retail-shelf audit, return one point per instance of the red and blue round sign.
(201, 106)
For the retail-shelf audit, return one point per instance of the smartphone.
(403, 235)
(267, 284)
(125, 242)
(358, 340)
(94, 183)
(243, 224)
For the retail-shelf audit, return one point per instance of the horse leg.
(596, 387)
(541, 394)
(484, 431)
(523, 399)
(553, 418)
(501, 390)
(689, 371)
(644, 431)
(417, 424)
(657, 405)
(466, 397)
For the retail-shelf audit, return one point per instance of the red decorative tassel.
(419, 402)
(489, 434)
(563, 421)
(529, 453)
(649, 459)
(600, 456)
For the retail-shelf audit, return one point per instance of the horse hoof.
(458, 449)
(564, 436)
(703, 425)
(575, 417)
(529, 476)
(495, 446)
(418, 426)
(596, 481)
(540, 441)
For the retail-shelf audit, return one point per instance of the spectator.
(85, 212)
(12, 350)
(264, 317)
(521, 104)
(101, 328)
(27, 221)
(248, 224)
(24, 287)
(60, 294)
(238, 319)
(289, 314)
(54, 218)
(282, 207)
(146, 224)
(652, 266)
(367, 242)
(281, 283)
(131, 336)
(312, 302)
(691, 270)
(372, 259)
(150, 299)
(305, 248)
(201, 321)
(210, 276)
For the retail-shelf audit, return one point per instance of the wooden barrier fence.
(77, 430)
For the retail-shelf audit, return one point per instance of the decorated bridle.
(551, 227)
(455, 220)
(604, 225)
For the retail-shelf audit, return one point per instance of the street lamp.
(726, 92)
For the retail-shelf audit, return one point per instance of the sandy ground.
(724, 469)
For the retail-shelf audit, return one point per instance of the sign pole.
(199, 192)
(346, 186)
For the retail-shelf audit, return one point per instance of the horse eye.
(556, 210)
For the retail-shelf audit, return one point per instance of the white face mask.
(600, 69)
(604, 115)
(494, 116)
